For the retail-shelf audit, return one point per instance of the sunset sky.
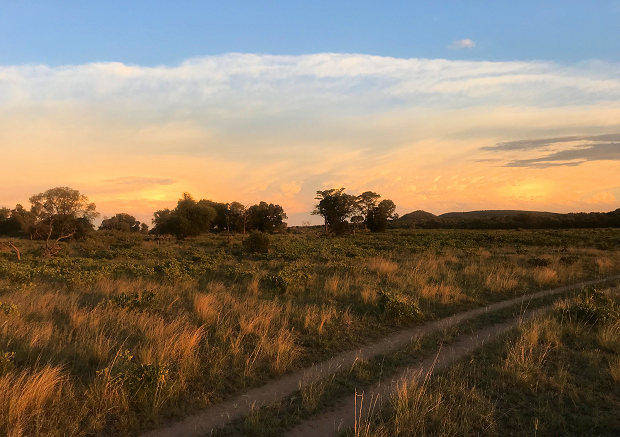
(443, 107)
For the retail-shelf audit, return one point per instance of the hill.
(508, 219)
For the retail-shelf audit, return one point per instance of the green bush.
(143, 382)
(396, 306)
(257, 242)
(8, 308)
(6, 362)
(592, 308)
(134, 301)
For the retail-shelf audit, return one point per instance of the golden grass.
(29, 400)
(443, 293)
(528, 353)
(223, 333)
(544, 276)
(604, 264)
(382, 266)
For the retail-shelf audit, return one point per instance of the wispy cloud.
(463, 44)
(562, 151)
(572, 157)
(132, 180)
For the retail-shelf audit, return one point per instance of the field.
(120, 334)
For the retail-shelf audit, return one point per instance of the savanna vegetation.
(556, 375)
(118, 330)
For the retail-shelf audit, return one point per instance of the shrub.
(6, 362)
(399, 307)
(8, 308)
(134, 301)
(538, 262)
(257, 242)
(592, 308)
(143, 382)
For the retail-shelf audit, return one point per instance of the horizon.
(441, 108)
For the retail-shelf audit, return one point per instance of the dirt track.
(218, 415)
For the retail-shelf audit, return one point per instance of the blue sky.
(157, 32)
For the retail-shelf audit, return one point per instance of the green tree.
(189, 218)
(335, 206)
(379, 216)
(60, 213)
(121, 222)
(266, 217)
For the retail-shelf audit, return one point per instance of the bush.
(592, 308)
(143, 382)
(399, 307)
(134, 301)
(257, 242)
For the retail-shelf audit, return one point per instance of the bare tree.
(11, 246)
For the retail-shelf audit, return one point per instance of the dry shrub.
(382, 266)
(29, 400)
(545, 276)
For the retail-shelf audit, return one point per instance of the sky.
(440, 106)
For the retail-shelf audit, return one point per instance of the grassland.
(556, 375)
(119, 334)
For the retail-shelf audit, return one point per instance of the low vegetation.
(118, 333)
(557, 375)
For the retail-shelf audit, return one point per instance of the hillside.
(508, 219)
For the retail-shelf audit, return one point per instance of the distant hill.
(508, 219)
(490, 213)
(418, 215)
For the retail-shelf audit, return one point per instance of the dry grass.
(604, 264)
(382, 266)
(228, 329)
(544, 276)
(442, 293)
(30, 400)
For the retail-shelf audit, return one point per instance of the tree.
(121, 222)
(26, 220)
(60, 213)
(335, 206)
(189, 218)
(366, 202)
(379, 216)
(9, 225)
(266, 217)
(238, 214)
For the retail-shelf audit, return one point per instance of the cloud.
(132, 180)
(251, 127)
(545, 142)
(572, 157)
(562, 151)
(463, 44)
